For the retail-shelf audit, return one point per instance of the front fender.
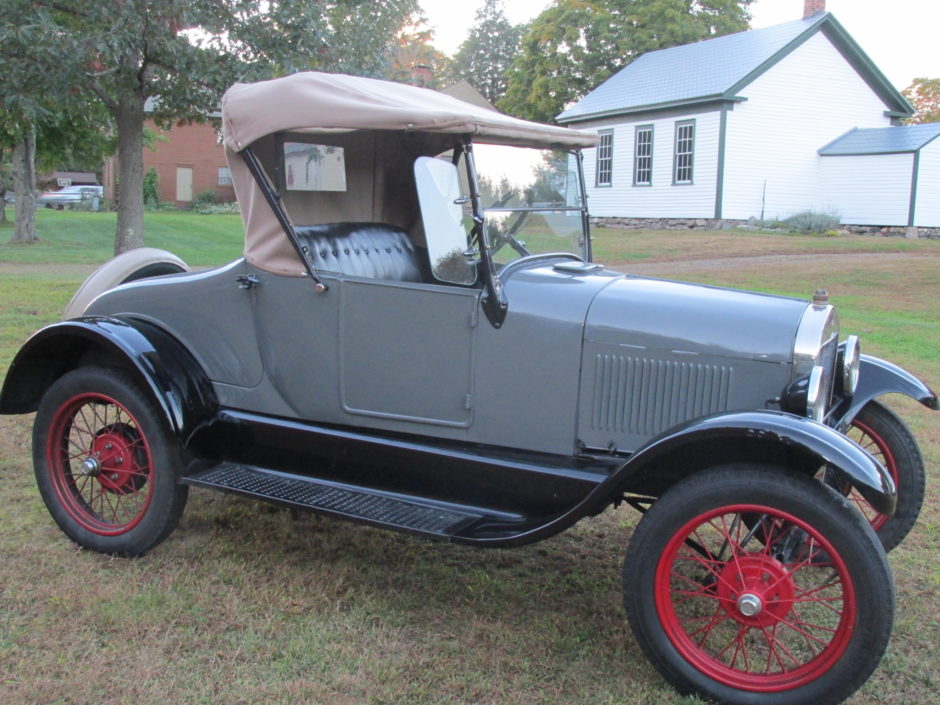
(159, 363)
(877, 377)
(754, 436)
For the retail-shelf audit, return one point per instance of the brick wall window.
(684, 152)
(605, 158)
(225, 176)
(643, 156)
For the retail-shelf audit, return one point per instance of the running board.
(412, 515)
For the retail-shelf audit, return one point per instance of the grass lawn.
(245, 604)
(76, 237)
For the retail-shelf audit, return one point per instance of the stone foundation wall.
(728, 224)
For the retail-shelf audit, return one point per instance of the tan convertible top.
(325, 102)
(381, 126)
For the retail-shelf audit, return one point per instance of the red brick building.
(189, 160)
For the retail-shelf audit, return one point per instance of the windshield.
(532, 201)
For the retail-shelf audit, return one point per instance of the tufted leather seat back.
(372, 250)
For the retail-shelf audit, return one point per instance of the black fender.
(770, 437)
(877, 377)
(158, 362)
(774, 437)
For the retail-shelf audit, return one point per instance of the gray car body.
(596, 360)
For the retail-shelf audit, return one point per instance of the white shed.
(887, 176)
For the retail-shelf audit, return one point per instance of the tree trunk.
(130, 213)
(24, 188)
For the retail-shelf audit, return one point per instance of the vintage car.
(417, 338)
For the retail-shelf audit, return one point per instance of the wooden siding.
(662, 199)
(870, 189)
(799, 105)
(927, 211)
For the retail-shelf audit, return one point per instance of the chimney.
(811, 7)
(421, 75)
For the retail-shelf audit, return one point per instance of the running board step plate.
(354, 503)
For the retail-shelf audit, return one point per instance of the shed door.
(184, 183)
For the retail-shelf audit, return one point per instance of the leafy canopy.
(488, 51)
(924, 95)
(575, 45)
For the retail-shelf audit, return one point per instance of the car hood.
(680, 318)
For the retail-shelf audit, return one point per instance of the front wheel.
(106, 466)
(750, 585)
(879, 431)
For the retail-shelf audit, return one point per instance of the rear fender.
(877, 377)
(159, 363)
(772, 437)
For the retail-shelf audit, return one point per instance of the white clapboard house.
(768, 122)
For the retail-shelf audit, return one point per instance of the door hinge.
(247, 281)
(474, 316)
(468, 402)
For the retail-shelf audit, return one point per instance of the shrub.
(151, 188)
(205, 198)
(813, 221)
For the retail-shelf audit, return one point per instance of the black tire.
(106, 464)
(879, 431)
(802, 619)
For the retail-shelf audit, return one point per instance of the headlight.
(850, 359)
(814, 363)
(816, 394)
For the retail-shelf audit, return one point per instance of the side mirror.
(442, 216)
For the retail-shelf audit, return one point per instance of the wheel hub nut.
(750, 605)
(91, 467)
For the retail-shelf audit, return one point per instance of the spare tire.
(139, 263)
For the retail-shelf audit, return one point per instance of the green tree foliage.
(181, 54)
(924, 95)
(488, 51)
(575, 45)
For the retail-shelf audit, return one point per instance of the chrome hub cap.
(91, 467)
(750, 605)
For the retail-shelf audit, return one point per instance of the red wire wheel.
(755, 615)
(869, 439)
(752, 584)
(878, 430)
(106, 463)
(100, 464)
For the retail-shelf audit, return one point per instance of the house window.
(225, 176)
(685, 147)
(643, 156)
(605, 158)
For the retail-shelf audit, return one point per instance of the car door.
(406, 351)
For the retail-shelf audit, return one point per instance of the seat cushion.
(371, 250)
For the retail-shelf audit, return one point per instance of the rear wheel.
(801, 619)
(879, 431)
(106, 465)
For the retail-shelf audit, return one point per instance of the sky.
(898, 35)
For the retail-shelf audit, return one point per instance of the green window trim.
(604, 168)
(683, 153)
(643, 155)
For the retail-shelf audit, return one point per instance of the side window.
(605, 158)
(684, 152)
(643, 156)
